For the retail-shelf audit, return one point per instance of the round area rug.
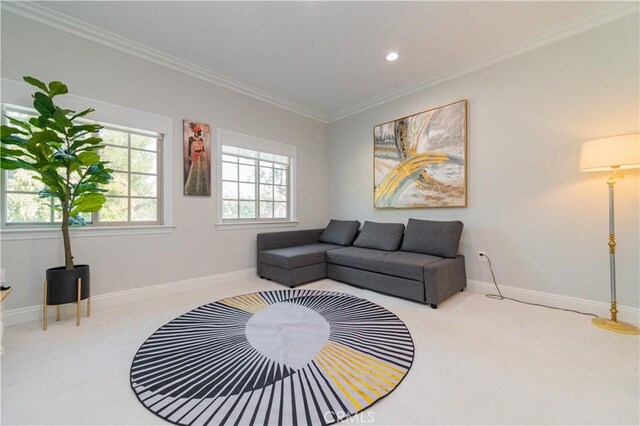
(294, 357)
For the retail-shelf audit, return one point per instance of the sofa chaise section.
(292, 257)
(297, 257)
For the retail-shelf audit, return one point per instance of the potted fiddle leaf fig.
(62, 150)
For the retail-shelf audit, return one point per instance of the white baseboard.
(34, 313)
(625, 313)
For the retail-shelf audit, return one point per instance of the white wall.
(542, 222)
(196, 248)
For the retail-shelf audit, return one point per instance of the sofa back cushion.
(433, 237)
(340, 232)
(380, 236)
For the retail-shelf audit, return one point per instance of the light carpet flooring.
(477, 361)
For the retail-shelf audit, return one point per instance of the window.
(255, 185)
(134, 193)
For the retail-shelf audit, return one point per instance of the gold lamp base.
(617, 326)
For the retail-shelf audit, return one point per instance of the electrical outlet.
(482, 256)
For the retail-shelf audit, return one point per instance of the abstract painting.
(420, 160)
(197, 158)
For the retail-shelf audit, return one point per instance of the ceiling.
(327, 56)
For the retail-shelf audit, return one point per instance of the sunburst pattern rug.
(293, 357)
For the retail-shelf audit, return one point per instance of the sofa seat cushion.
(395, 263)
(298, 256)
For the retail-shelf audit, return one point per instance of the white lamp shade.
(622, 151)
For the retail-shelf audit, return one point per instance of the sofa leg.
(462, 289)
(434, 306)
(261, 277)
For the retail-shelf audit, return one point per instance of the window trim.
(240, 140)
(17, 95)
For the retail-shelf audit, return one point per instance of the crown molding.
(601, 16)
(57, 20)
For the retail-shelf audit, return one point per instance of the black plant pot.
(62, 284)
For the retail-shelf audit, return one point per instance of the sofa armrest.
(273, 240)
(443, 278)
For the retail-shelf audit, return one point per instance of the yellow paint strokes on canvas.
(405, 170)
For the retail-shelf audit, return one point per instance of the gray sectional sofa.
(420, 262)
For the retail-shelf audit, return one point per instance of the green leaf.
(43, 104)
(75, 167)
(14, 164)
(8, 164)
(92, 148)
(93, 141)
(57, 88)
(82, 113)
(19, 123)
(63, 155)
(52, 179)
(35, 82)
(88, 187)
(87, 203)
(99, 174)
(8, 130)
(35, 122)
(91, 128)
(15, 153)
(88, 158)
(43, 122)
(13, 140)
(61, 118)
(45, 136)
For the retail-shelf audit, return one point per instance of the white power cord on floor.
(499, 296)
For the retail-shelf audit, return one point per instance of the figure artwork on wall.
(197, 158)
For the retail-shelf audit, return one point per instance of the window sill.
(49, 232)
(256, 225)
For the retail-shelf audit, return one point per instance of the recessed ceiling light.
(392, 56)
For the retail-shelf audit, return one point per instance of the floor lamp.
(612, 154)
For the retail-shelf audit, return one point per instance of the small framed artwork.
(419, 161)
(197, 158)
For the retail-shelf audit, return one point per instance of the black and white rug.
(293, 357)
